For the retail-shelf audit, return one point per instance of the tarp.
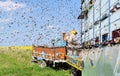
(103, 62)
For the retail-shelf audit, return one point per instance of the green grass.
(15, 62)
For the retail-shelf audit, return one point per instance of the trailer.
(49, 56)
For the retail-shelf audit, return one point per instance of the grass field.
(16, 61)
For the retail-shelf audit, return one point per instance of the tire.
(42, 64)
(73, 72)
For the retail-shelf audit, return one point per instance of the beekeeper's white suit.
(71, 38)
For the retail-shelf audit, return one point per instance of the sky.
(27, 22)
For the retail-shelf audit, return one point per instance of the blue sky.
(27, 22)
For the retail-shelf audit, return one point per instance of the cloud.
(6, 20)
(10, 5)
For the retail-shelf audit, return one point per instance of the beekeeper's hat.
(73, 32)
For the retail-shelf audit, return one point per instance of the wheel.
(73, 72)
(42, 64)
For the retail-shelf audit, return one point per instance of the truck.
(49, 56)
(102, 60)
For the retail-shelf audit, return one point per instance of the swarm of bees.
(38, 22)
